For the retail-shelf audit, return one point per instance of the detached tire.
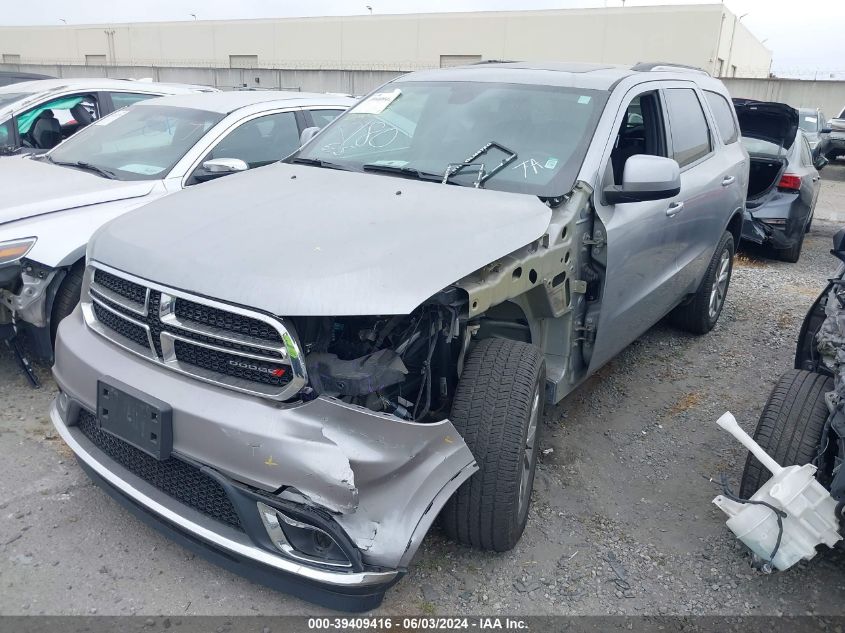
(699, 315)
(498, 410)
(790, 427)
(66, 298)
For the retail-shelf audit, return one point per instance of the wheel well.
(506, 320)
(735, 227)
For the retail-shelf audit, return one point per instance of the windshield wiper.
(81, 164)
(404, 171)
(318, 162)
(453, 169)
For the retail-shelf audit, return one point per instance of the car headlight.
(14, 250)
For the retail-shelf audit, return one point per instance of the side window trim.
(715, 122)
(696, 91)
(621, 113)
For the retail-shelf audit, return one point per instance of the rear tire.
(66, 298)
(498, 410)
(700, 315)
(793, 253)
(790, 427)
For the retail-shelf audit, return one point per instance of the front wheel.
(702, 312)
(66, 298)
(498, 410)
(790, 427)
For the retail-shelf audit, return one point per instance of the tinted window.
(261, 141)
(690, 134)
(723, 113)
(123, 99)
(5, 134)
(806, 154)
(323, 117)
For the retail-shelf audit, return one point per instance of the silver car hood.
(34, 187)
(303, 241)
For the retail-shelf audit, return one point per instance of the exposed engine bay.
(404, 365)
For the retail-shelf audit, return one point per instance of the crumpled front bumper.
(381, 480)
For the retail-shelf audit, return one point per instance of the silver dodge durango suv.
(296, 370)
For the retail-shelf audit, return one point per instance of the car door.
(257, 140)
(711, 183)
(641, 255)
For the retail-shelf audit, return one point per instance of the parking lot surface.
(621, 521)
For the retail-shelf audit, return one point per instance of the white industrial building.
(707, 36)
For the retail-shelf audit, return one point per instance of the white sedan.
(53, 203)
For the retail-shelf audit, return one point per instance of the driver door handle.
(728, 180)
(674, 209)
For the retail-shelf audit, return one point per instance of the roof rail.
(495, 61)
(667, 66)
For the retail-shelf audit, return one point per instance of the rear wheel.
(66, 298)
(498, 410)
(793, 253)
(790, 427)
(701, 313)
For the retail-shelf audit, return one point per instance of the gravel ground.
(621, 522)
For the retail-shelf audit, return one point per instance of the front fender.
(63, 235)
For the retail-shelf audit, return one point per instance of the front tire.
(790, 427)
(699, 315)
(498, 410)
(66, 298)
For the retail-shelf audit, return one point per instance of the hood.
(767, 121)
(294, 240)
(32, 187)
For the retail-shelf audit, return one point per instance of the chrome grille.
(233, 347)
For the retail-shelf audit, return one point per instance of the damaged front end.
(341, 477)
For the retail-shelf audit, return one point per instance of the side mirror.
(221, 166)
(217, 167)
(821, 162)
(646, 178)
(307, 134)
(826, 130)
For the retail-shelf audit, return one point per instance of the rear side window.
(690, 134)
(723, 113)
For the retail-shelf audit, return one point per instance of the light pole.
(370, 9)
(62, 20)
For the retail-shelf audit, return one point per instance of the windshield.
(137, 143)
(428, 126)
(8, 98)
